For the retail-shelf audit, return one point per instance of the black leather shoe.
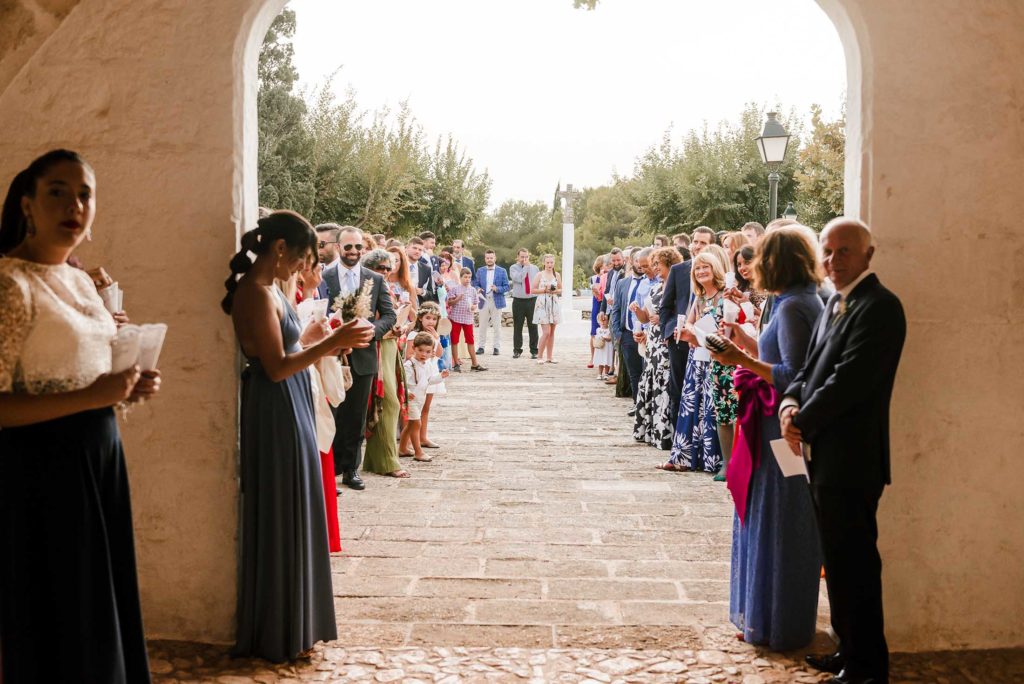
(338, 492)
(845, 677)
(353, 481)
(479, 350)
(516, 355)
(495, 352)
(533, 355)
(832, 662)
(631, 413)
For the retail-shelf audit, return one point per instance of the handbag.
(599, 342)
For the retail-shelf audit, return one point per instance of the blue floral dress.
(695, 444)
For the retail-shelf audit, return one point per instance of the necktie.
(828, 314)
(353, 281)
(526, 279)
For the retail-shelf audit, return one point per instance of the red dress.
(330, 489)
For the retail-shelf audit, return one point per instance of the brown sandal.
(672, 468)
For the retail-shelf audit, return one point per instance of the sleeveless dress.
(285, 597)
(695, 445)
(381, 455)
(653, 423)
(548, 308)
(69, 596)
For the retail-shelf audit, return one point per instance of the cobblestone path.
(540, 545)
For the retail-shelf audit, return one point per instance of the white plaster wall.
(153, 93)
(145, 89)
(943, 158)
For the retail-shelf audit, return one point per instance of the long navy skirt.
(69, 597)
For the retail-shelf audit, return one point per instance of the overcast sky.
(538, 92)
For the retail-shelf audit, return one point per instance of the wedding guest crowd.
(732, 358)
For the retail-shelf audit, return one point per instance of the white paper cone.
(124, 349)
(150, 345)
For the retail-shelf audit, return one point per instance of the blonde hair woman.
(695, 445)
(548, 314)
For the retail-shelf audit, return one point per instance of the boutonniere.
(843, 306)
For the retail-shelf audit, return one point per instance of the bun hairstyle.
(296, 232)
(12, 221)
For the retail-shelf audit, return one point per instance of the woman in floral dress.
(695, 444)
(654, 423)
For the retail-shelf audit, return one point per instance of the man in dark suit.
(432, 263)
(837, 407)
(675, 302)
(624, 321)
(419, 270)
(350, 418)
(461, 260)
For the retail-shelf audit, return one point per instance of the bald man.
(837, 412)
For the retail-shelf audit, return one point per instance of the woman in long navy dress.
(285, 597)
(69, 597)
(776, 560)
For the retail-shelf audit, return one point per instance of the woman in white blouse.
(69, 599)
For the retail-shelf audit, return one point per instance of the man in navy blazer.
(622, 325)
(493, 284)
(675, 302)
(350, 418)
(837, 408)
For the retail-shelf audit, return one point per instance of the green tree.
(455, 193)
(284, 171)
(819, 180)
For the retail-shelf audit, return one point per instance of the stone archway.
(155, 93)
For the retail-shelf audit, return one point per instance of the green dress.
(381, 449)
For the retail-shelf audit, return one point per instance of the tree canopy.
(331, 161)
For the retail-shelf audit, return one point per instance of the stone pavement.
(540, 545)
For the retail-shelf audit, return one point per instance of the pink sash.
(757, 398)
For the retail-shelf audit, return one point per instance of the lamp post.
(789, 212)
(772, 144)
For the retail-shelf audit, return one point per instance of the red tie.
(526, 281)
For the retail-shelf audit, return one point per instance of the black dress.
(69, 598)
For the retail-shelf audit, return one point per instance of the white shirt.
(414, 271)
(490, 281)
(348, 278)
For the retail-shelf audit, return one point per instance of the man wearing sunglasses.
(347, 276)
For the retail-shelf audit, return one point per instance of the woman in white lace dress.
(69, 597)
(548, 312)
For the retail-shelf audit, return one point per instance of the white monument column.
(568, 243)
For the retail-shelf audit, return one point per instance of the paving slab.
(540, 545)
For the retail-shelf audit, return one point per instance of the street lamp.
(772, 144)
(789, 212)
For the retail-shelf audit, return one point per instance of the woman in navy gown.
(776, 559)
(285, 597)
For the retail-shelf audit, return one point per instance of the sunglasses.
(345, 248)
(386, 269)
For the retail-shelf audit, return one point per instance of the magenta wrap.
(757, 398)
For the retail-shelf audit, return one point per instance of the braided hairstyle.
(296, 232)
(13, 224)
